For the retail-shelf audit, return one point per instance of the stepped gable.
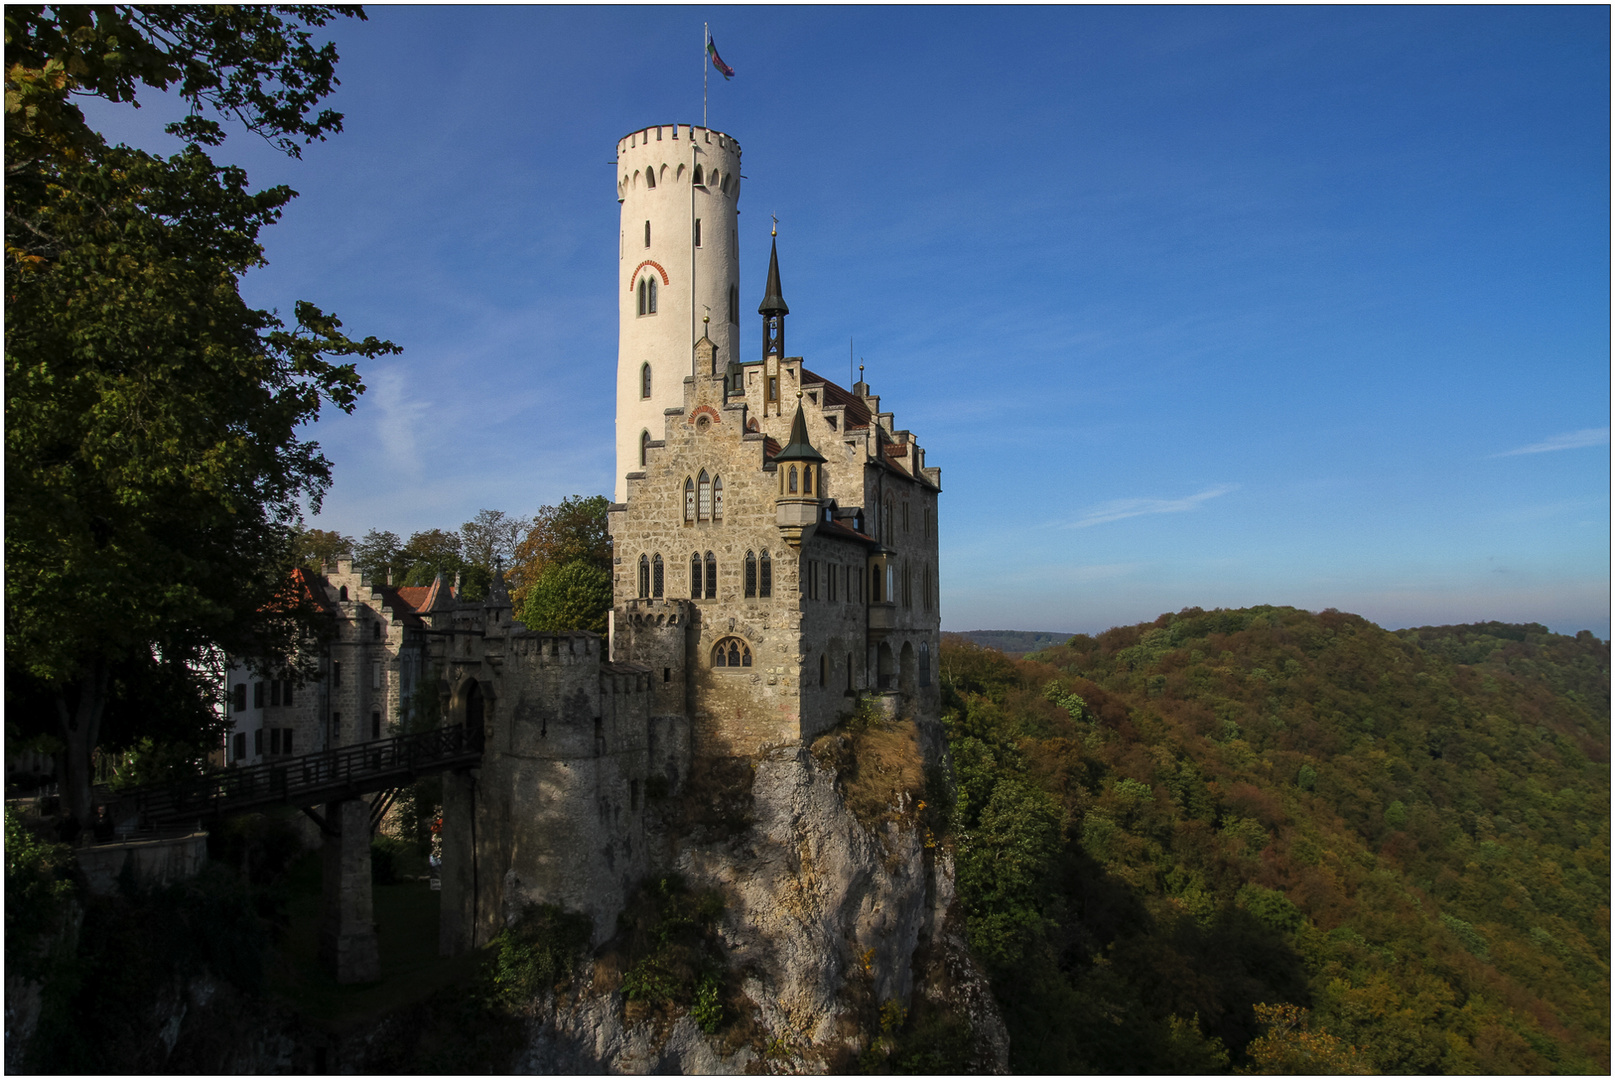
(857, 415)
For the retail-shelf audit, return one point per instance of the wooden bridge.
(328, 776)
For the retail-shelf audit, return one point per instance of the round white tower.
(678, 261)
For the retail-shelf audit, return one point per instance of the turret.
(801, 483)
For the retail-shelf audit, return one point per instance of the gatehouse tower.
(678, 274)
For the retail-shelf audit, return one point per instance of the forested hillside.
(1166, 832)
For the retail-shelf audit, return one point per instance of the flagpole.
(706, 39)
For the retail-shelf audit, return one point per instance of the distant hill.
(1166, 832)
(1015, 642)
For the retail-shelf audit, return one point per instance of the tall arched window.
(698, 180)
(650, 178)
(925, 664)
(717, 498)
(644, 379)
(650, 296)
(644, 448)
(647, 234)
(824, 668)
(695, 575)
(807, 479)
(703, 485)
(790, 483)
(689, 499)
(644, 577)
(643, 285)
(765, 577)
(730, 653)
(712, 577)
(751, 573)
(656, 576)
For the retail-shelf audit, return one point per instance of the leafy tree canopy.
(573, 531)
(154, 471)
(1272, 840)
(576, 596)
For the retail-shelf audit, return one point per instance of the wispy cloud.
(1570, 440)
(1119, 509)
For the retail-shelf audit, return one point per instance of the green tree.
(489, 540)
(317, 548)
(379, 552)
(154, 474)
(576, 596)
(573, 531)
(429, 553)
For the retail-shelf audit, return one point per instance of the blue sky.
(1193, 306)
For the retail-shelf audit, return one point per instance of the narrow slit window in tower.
(644, 577)
(698, 181)
(695, 575)
(751, 573)
(642, 285)
(644, 448)
(650, 296)
(647, 234)
(697, 232)
(765, 577)
(650, 174)
(644, 380)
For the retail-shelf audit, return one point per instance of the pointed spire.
(799, 449)
(773, 302)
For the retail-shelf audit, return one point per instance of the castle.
(775, 550)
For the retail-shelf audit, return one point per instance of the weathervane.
(775, 230)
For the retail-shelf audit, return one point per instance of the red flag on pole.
(717, 61)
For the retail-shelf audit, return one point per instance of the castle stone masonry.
(775, 548)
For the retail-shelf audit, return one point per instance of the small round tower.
(678, 261)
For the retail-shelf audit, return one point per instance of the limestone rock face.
(826, 920)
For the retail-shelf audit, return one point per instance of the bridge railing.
(359, 768)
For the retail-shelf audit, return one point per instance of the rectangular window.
(765, 584)
(274, 691)
(286, 742)
(286, 693)
(258, 742)
(697, 232)
(241, 745)
(336, 673)
(238, 697)
(274, 740)
(647, 234)
(257, 695)
(375, 725)
(336, 726)
(833, 570)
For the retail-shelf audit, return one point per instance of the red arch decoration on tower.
(648, 262)
(704, 410)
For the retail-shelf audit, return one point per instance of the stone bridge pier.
(348, 946)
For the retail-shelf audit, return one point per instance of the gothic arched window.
(712, 577)
(698, 181)
(642, 287)
(717, 498)
(731, 652)
(751, 573)
(644, 379)
(703, 484)
(807, 479)
(695, 575)
(689, 499)
(650, 178)
(765, 578)
(656, 576)
(650, 296)
(790, 484)
(644, 577)
(925, 664)
(644, 448)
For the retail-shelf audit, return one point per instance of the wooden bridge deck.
(305, 781)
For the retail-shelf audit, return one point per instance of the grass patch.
(879, 766)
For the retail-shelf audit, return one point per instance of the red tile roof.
(857, 414)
